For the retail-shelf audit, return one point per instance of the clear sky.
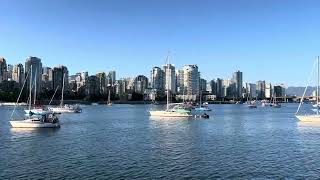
(276, 41)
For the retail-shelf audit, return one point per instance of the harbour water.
(122, 142)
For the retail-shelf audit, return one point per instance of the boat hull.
(168, 114)
(309, 118)
(64, 110)
(33, 124)
(202, 109)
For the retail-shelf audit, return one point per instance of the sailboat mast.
(61, 103)
(200, 98)
(167, 73)
(30, 88)
(109, 96)
(318, 87)
(35, 89)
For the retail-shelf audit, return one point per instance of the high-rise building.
(101, 80)
(9, 72)
(203, 85)
(180, 82)
(48, 72)
(60, 74)
(18, 74)
(219, 88)
(279, 91)
(3, 70)
(213, 87)
(268, 91)
(261, 89)
(157, 79)
(92, 86)
(251, 90)
(191, 79)
(170, 78)
(111, 79)
(140, 84)
(237, 84)
(36, 74)
(227, 88)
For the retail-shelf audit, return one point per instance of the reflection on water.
(124, 142)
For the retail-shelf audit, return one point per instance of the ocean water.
(123, 142)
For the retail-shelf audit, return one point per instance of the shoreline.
(57, 102)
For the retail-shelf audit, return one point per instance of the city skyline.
(266, 40)
(184, 84)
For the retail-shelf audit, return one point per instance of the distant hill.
(298, 91)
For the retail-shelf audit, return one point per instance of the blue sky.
(276, 41)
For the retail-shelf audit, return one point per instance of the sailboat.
(65, 108)
(310, 117)
(34, 110)
(274, 103)
(171, 112)
(48, 120)
(202, 108)
(109, 103)
(251, 104)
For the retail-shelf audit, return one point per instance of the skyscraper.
(170, 78)
(251, 90)
(9, 72)
(261, 89)
(36, 64)
(219, 88)
(58, 74)
(101, 80)
(213, 87)
(203, 85)
(47, 71)
(191, 79)
(237, 82)
(18, 74)
(111, 78)
(140, 84)
(157, 79)
(180, 82)
(268, 91)
(3, 70)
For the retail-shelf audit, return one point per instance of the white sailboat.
(201, 108)
(310, 117)
(251, 104)
(173, 112)
(274, 103)
(65, 108)
(48, 120)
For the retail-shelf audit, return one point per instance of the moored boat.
(310, 117)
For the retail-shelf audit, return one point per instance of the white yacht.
(310, 117)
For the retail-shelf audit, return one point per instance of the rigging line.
(305, 90)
